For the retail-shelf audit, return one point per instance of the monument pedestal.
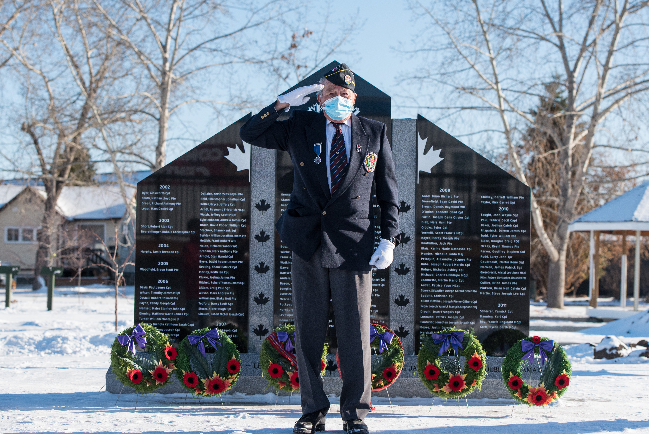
(408, 385)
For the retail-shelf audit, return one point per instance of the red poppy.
(170, 353)
(322, 365)
(295, 380)
(456, 383)
(216, 385)
(135, 375)
(233, 366)
(431, 372)
(537, 396)
(190, 379)
(475, 362)
(160, 374)
(390, 373)
(562, 381)
(275, 370)
(536, 339)
(515, 382)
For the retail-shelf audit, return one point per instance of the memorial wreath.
(277, 359)
(145, 370)
(555, 372)
(387, 367)
(435, 371)
(208, 362)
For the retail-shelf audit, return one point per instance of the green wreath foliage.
(439, 381)
(555, 376)
(210, 374)
(269, 356)
(125, 365)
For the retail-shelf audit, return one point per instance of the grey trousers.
(350, 293)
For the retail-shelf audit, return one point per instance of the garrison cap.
(341, 75)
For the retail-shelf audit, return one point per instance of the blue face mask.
(338, 108)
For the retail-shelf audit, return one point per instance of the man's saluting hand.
(296, 97)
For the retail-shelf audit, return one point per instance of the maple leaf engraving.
(262, 236)
(401, 332)
(261, 299)
(402, 270)
(240, 159)
(331, 366)
(401, 300)
(260, 331)
(404, 207)
(262, 268)
(426, 162)
(404, 238)
(262, 205)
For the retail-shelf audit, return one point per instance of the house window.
(92, 230)
(13, 235)
(20, 235)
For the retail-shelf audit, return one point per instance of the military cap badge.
(370, 161)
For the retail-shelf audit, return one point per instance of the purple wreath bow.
(543, 346)
(211, 337)
(136, 337)
(283, 336)
(452, 339)
(386, 338)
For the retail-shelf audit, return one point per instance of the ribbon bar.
(211, 337)
(136, 337)
(447, 340)
(386, 338)
(543, 346)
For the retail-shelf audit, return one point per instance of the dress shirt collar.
(348, 122)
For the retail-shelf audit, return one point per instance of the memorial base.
(408, 385)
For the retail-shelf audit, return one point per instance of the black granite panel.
(472, 240)
(192, 267)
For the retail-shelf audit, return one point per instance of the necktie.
(337, 159)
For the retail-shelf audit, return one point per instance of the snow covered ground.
(53, 366)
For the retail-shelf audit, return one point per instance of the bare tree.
(299, 52)
(64, 71)
(500, 54)
(117, 265)
(175, 42)
(10, 12)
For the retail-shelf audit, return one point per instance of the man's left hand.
(382, 257)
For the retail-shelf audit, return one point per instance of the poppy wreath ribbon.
(430, 365)
(389, 364)
(147, 369)
(277, 359)
(208, 370)
(555, 371)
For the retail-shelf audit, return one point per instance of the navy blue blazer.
(343, 224)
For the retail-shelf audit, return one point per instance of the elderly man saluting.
(328, 225)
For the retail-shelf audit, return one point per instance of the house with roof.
(88, 219)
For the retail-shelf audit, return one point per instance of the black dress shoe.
(311, 422)
(355, 426)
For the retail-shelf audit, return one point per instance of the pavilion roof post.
(636, 274)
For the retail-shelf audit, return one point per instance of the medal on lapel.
(318, 150)
(359, 148)
(370, 161)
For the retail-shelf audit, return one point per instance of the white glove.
(299, 96)
(382, 257)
